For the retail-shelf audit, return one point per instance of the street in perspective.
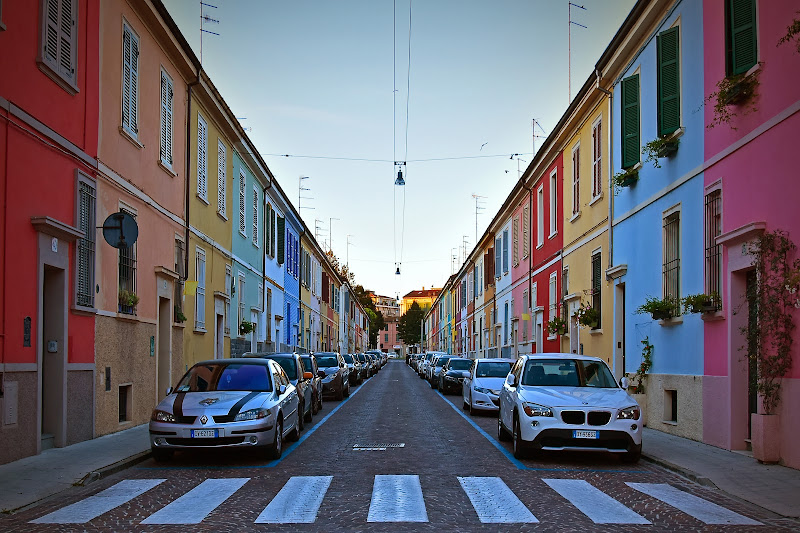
(465, 265)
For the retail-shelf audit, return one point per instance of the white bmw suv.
(567, 402)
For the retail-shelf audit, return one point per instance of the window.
(125, 403)
(505, 251)
(165, 146)
(228, 288)
(669, 81)
(505, 323)
(268, 236)
(200, 293)
(553, 204)
(221, 181)
(127, 280)
(280, 233)
(273, 224)
(268, 310)
(260, 304)
(130, 80)
(242, 203)
(498, 260)
(553, 295)
(741, 36)
(672, 257)
(240, 315)
(576, 178)
(58, 48)
(525, 311)
(596, 286)
(526, 231)
(515, 243)
(202, 158)
(630, 121)
(255, 216)
(597, 159)
(85, 249)
(540, 217)
(534, 297)
(713, 251)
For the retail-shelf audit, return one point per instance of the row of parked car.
(254, 401)
(551, 402)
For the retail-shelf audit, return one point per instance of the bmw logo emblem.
(204, 419)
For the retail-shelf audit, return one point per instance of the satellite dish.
(120, 230)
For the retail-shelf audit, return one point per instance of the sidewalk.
(773, 487)
(34, 478)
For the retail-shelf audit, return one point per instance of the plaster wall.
(690, 404)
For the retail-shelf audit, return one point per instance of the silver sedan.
(481, 389)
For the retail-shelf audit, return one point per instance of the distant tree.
(342, 270)
(410, 324)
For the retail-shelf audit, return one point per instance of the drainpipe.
(186, 175)
(610, 95)
(530, 259)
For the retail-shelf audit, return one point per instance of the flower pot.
(629, 180)
(735, 95)
(641, 399)
(765, 437)
(661, 315)
(667, 149)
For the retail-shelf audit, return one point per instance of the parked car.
(366, 367)
(310, 365)
(481, 389)
(227, 403)
(334, 373)
(568, 401)
(378, 355)
(424, 362)
(295, 370)
(453, 373)
(353, 367)
(435, 368)
(373, 361)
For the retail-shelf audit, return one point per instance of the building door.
(574, 334)
(752, 368)
(164, 348)
(53, 358)
(538, 333)
(219, 337)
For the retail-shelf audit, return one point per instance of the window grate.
(672, 259)
(713, 251)
(596, 285)
(127, 276)
(86, 245)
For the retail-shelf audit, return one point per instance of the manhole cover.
(377, 447)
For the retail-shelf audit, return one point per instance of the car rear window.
(327, 361)
(492, 369)
(225, 377)
(288, 365)
(347, 358)
(460, 364)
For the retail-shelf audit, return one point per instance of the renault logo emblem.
(209, 401)
(204, 419)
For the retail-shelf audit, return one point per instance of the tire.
(314, 404)
(300, 416)
(294, 436)
(310, 415)
(464, 404)
(161, 456)
(275, 449)
(347, 391)
(340, 394)
(517, 443)
(432, 384)
(633, 455)
(502, 432)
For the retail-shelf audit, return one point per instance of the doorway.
(751, 289)
(53, 358)
(619, 333)
(163, 348)
(219, 337)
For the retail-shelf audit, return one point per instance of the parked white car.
(481, 388)
(568, 402)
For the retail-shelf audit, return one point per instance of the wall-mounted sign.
(120, 230)
(26, 332)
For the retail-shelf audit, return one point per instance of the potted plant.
(179, 316)
(660, 147)
(245, 327)
(557, 326)
(626, 178)
(660, 309)
(733, 91)
(637, 389)
(700, 303)
(587, 315)
(127, 300)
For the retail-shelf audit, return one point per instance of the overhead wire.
(408, 98)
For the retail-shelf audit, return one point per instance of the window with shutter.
(553, 295)
(505, 251)
(200, 293)
(498, 257)
(325, 287)
(576, 178)
(281, 238)
(202, 158)
(273, 223)
(596, 287)
(526, 231)
(597, 159)
(130, 80)
(242, 203)
(268, 222)
(515, 242)
(630, 121)
(222, 164)
(540, 216)
(669, 83)
(84, 286)
(255, 216)
(553, 205)
(671, 277)
(165, 146)
(742, 36)
(58, 48)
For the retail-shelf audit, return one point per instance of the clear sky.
(317, 78)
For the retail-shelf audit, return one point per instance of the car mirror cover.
(308, 375)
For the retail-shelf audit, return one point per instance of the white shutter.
(200, 294)
(130, 80)
(166, 119)
(202, 158)
(242, 201)
(60, 37)
(221, 182)
(255, 216)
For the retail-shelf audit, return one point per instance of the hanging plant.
(659, 147)
(557, 326)
(700, 303)
(626, 178)
(792, 31)
(644, 367)
(660, 309)
(738, 91)
(776, 296)
(587, 315)
(179, 316)
(245, 327)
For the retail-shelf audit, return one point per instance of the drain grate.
(377, 447)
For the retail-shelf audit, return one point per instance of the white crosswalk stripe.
(397, 499)
(591, 501)
(102, 502)
(195, 505)
(297, 502)
(703, 510)
(494, 502)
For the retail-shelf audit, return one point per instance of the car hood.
(576, 396)
(330, 369)
(221, 402)
(490, 383)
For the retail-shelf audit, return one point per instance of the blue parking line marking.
(270, 464)
(519, 464)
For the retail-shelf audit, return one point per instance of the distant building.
(424, 298)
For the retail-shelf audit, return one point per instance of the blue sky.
(315, 78)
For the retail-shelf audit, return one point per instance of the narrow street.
(397, 456)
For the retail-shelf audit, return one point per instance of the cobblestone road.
(395, 456)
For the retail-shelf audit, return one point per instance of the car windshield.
(567, 373)
(460, 364)
(209, 377)
(307, 363)
(441, 361)
(361, 357)
(327, 361)
(288, 366)
(347, 358)
(492, 369)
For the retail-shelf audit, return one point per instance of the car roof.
(269, 355)
(234, 360)
(560, 355)
(497, 359)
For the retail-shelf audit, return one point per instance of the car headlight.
(162, 416)
(534, 409)
(252, 414)
(450, 378)
(484, 391)
(495, 392)
(629, 413)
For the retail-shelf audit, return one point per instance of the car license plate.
(204, 433)
(578, 434)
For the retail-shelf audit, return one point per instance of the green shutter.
(742, 35)
(281, 238)
(669, 83)
(630, 121)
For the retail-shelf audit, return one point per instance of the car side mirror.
(465, 374)
(169, 391)
(308, 375)
(624, 383)
(321, 373)
(282, 390)
(511, 380)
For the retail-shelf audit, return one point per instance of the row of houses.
(107, 114)
(670, 162)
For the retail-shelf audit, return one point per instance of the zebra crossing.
(395, 498)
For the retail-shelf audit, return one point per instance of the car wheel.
(294, 436)
(502, 432)
(314, 404)
(633, 455)
(464, 404)
(517, 443)
(432, 384)
(161, 456)
(340, 394)
(300, 410)
(347, 390)
(309, 416)
(276, 448)
(472, 410)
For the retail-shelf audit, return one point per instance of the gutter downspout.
(610, 95)
(264, 258)
(530, 258)
(186, 175)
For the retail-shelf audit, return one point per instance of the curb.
(680, 470)
(113, 468)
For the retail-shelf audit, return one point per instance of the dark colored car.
(366, 370)
(354, 368)
(436, 368)
(316, 382)
(451, 378)
(298, 376)
(334, 373)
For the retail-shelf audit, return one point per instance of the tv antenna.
(569, 49)
(478, 200)
(209, 20)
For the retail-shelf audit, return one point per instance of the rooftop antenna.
(569, 49)
(465, 240)
(478, 207)
(205, 18)
(317, 228)
(300, 190)
(248, 128)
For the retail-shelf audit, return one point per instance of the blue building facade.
(291, 280)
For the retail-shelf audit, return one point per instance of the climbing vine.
(644, 367)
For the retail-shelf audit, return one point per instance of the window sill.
(2, 27)
(539, 246)
(179, 325)
(553, 234)
(551, 337)
(596, 199)
(201, 331)
(61, 81)
(575, 217)
(256, 246)
(127, 317)
(81, 310)
(167, 168)
(222, 216)
(204, 200)
(669, 422)
(598, 331)
(716, 316)
(674, 321)
(131, 137)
